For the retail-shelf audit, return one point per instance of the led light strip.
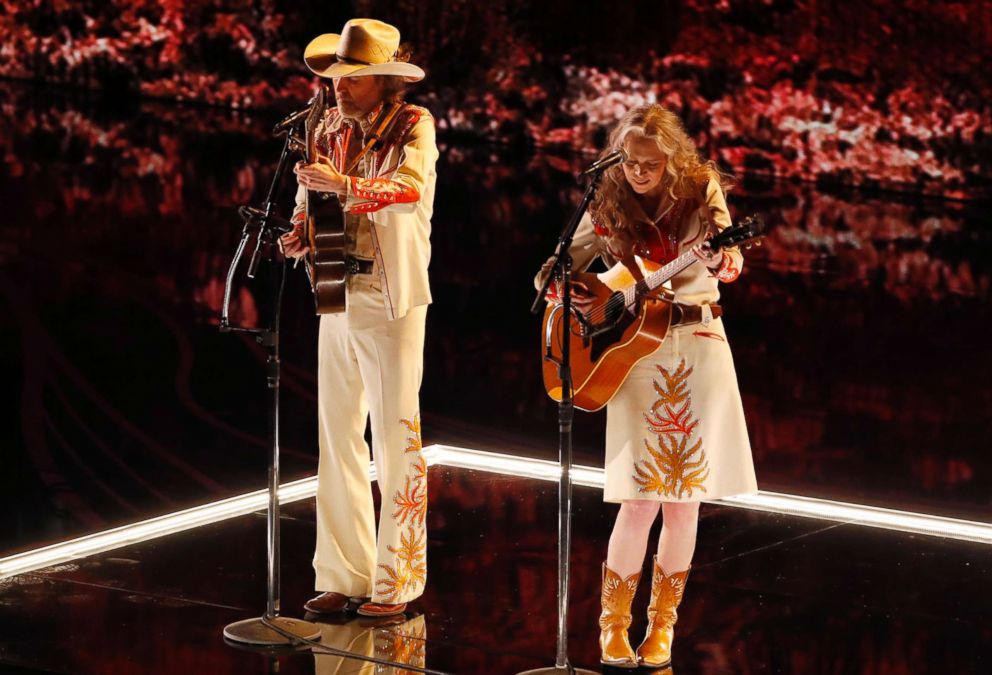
(773, 502)
(510, 465)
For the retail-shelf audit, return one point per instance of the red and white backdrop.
(890, 94)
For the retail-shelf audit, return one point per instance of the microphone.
(280, 225)
(605, 163)
(290, 121)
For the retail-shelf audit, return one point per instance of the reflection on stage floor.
(768, 594)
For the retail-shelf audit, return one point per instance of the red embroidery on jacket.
(333, 136)
(399, 131)
(379, 193)
(660, 248)
(728, 269)
(708, 334)
(598, 227)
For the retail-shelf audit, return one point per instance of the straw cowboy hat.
(364, 47)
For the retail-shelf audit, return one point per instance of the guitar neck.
(657, 278)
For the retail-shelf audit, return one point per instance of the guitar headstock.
(751, 229)
(317, 105)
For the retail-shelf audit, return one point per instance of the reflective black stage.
(768, 594)
(860, 343)
(857, 329)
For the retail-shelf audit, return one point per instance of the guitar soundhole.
(609, 337)
(615, 307)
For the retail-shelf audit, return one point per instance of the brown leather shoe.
(327, 603)
(380, 609)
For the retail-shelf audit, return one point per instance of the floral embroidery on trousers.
(408, 573)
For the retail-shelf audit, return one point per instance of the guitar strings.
(601, 312)
(616, 302)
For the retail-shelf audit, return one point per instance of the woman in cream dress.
(675, 431)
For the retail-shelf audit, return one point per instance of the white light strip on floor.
(510, 465)
(793, 505)
(155, 527)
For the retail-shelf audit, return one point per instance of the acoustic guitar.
(626, 322)
(323, 228)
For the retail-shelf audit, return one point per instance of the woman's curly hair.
(686, 173)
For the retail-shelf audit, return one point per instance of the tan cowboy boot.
(618, 594)
(666, 594)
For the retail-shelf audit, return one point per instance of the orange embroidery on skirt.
(675, 468)
(707, 334)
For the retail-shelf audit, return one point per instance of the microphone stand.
(562, 270)
(271, 629)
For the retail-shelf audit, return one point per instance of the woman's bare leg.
(629, 540)
(677, 542)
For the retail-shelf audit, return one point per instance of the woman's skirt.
(675, 431)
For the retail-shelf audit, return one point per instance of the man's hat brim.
(321, 58)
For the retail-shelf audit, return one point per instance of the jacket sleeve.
(300, 208)
(586, 247)
(401, 191)
(733, 259)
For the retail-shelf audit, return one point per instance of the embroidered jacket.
(396, 193)
(693, 286)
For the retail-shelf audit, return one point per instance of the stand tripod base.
(254, 632)
(554, 670)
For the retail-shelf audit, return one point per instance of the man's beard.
(349, 109)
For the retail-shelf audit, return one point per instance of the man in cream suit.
(370, 357)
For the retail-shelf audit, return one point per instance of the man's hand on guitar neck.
(321, 177)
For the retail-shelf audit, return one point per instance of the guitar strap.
(380, 128)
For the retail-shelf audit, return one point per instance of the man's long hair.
(395, 87)
(686, 173)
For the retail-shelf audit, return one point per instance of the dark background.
(132, 131)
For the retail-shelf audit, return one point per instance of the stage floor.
(769, 593)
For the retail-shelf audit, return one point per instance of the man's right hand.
(292, 243)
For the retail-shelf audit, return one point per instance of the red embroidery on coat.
(598, 227)
(707, 334)
(334, 135)
(661, 249)
(381, 192)
(728, 269)
(411, 115)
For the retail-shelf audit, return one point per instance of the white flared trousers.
(370, 368)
